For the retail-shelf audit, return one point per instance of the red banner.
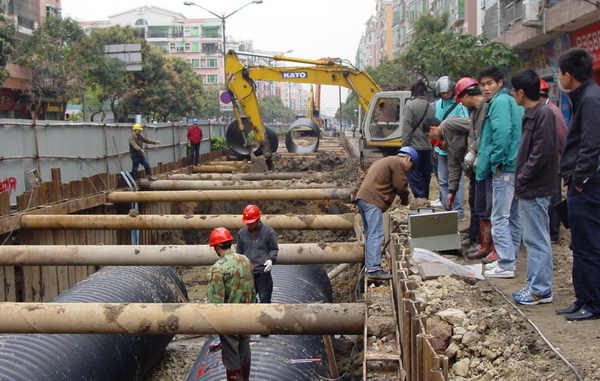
(7, 100)
(588, 38)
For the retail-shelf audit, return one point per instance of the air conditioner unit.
(532, 13)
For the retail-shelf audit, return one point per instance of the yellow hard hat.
(137, 127)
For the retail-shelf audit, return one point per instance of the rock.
(453, 316)
(441, 332)
(471, 338)
(459, 331)
(381, 326)
(451, 351)
(461, 368)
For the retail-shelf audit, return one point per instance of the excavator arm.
(240, 84)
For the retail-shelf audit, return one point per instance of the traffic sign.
(225, 101)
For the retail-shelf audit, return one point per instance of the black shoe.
(569, 310)
(463, 231)
(580, 315)
(378, 275)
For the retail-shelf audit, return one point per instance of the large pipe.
(229, 185)
(214, 169)
(168, 255)
(304, 127)
(342, 194)
(198, 222)
(183, 318)
(255, 176)
(41, 356)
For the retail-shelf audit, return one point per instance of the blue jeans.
(373, 223)
(536, 237)
(263, 283)
(419, 176)
(506, 224)
(443, 177)
(584, 219)
(136, 160)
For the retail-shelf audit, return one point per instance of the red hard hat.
(544, 85)
(462, 85)
(219, 235)
(251, 214)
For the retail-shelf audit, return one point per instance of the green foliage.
(218, 143)
(272, 109)
(210, 101)
(435, 52)
(54, 54)
(7, 42)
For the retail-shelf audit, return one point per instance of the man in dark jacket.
(537, 163)
(373, 194)
(415, 112)
(137, 152)
(579, 170)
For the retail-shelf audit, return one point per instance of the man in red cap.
(258, 242)
(230, 281)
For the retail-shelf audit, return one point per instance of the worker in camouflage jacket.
(230, 280)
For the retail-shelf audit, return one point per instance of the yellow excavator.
(380, 128)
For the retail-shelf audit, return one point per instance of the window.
(188, 47)
(195, 63)
(213, 31)
(209, 62)
(176, 47)
(195, 47)
(210, 79)
(163, 47)
(51, 11)
(158, 31)
(141, 22)
(209, 48)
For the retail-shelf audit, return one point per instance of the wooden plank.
(55, 192)
(48, 280)
(62, 275)
(55, 175)
(4, 203)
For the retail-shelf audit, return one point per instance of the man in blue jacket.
(580, 172)
(537, 165)
(496, 158)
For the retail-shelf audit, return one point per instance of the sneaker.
(151, 178)
(378, 275)
(528, 298)
(435, 203)
(491, 265)
(499, 272)
(521, 291)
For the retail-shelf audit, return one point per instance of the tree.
(7, 42)
(436, 51)
(187, 89)
(53, 54)
(272, 109)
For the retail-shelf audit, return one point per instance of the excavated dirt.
(485, 336)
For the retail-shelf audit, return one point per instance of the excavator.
(380, 128)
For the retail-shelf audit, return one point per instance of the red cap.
(462, 85)
(251, 214)
(544, 85)
(219, 235)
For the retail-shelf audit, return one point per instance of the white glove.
(268, 265)
(470, 159)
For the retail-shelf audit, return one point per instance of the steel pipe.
(168, 255)
(229, 185)
(255, 176)
(183, 318)
(342, 194)
(198, 222)
(214, 169)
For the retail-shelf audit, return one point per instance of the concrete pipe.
(198, 222)
(303, 136)
(237, 138)
(168, 255)
(183, 318)
(342, 194)
(229, 185)
(255, 176)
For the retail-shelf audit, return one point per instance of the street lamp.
(223, 17)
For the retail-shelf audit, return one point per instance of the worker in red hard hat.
(258, 242)
(230, 280)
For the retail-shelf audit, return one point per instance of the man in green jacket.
(496, 158)
(230, 280)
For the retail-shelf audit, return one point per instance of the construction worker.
(258, 242)
(561, 133)
(373, 194)
(194, 135)
(230, 281)
(137, 153)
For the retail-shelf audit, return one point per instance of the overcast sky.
(311, 28)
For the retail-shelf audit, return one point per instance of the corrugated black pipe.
(273, 357)
(26, 357)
